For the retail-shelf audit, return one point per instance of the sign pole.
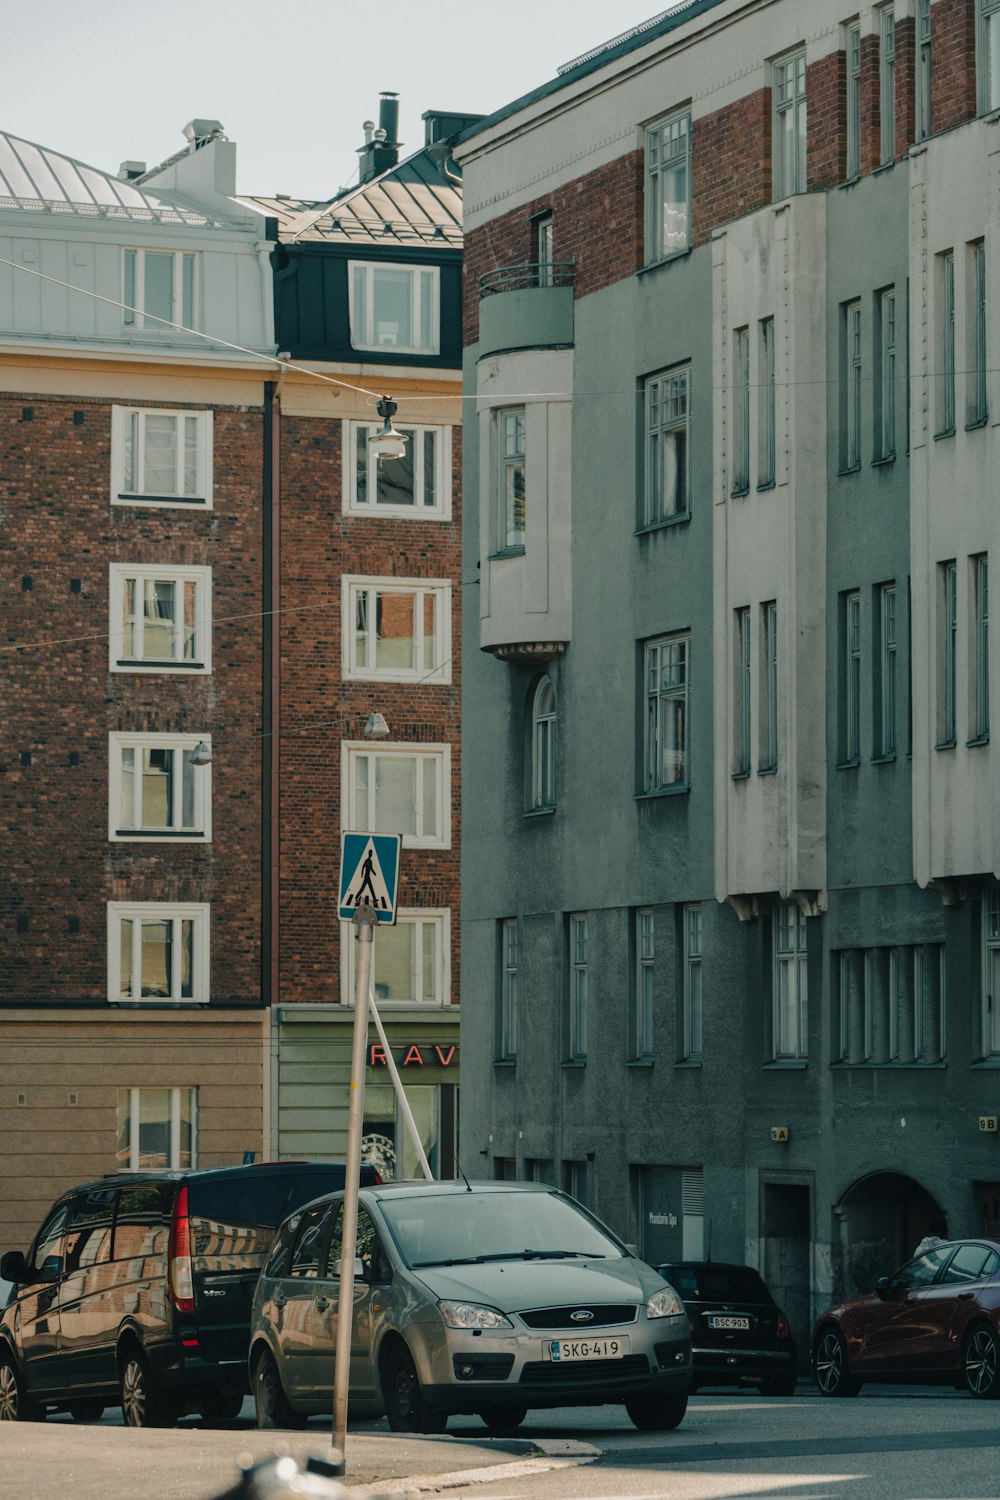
(365, 920)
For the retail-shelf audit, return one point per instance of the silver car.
(490, 1298)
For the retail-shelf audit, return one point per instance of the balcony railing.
(533, 273)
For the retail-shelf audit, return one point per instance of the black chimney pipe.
(388, 117)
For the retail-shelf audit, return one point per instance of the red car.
(935, 1322)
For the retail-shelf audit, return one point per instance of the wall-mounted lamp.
(387, 443)
(376, 728)
(201, 755)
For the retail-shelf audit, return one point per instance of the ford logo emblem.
(581, 1316)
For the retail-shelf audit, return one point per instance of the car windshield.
(716, 1283)
(467, 1228)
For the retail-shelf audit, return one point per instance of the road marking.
(555, 1453)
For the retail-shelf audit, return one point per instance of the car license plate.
(566, 1350)
(720, 1321)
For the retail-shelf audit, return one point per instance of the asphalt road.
(887, 1445)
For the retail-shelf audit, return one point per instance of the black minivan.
(138, 1290)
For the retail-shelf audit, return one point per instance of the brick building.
(365, 576)
(133, 512)
(731, 920)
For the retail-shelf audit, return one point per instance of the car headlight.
(471, 1315)
(664, 1304)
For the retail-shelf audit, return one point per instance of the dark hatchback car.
(739, 1334)
(935, 1322)
(138, 1290)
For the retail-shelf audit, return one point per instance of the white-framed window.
(885, 380)
(851, 362)
(668, 482)
(511, 494)
(922, 87)
(578, 959)
(945, 265)
(510, 988)
(544, 249)
(418, 485)
(692, 1009)
(768, 686)
(643, 981)
(666, 673)
(988, 54)
(981, 646)
(976, 382)
(161, 457)
(543, 746)
(411, 960)
(154, 792)
(741, 411)
(158, 951)
(396, 629)
(403, 788)
(852, 44)
(852, 677)
(766, 408)
(790, 997)
(157, 1129)
(160, 619)
(668, 187)
(741, 687)
(947, 651)
(885, 744)
(394, 307)
(990, 1007)
(788, 95)
(887, 85)
(159, 288)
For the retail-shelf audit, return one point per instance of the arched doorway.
(881, 1218)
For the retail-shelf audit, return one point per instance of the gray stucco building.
(731, 919)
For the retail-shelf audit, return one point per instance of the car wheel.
(222, 1406)
(833, 1375)
(657, 1413)
(144, 1403)
(503, 1418)
(86, 1411)
(981, 1364)
(15, 1405)
(272, 1406)
(404, 1400)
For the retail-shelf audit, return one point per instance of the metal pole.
(397, 1084)
(365, 919)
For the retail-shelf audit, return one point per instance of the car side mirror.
(633, 1250)
(359, 1269)
(882, 1287)
(14, 1267)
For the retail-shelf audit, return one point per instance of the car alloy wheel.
(14, 1404)
(981, 1364)
(830, 1366)
(144, 1404)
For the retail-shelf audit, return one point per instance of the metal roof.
(37, 179)
(414, 204)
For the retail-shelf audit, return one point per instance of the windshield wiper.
(478, 1260)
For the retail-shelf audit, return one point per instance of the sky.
(291, 83)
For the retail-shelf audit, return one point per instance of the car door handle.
(966, 1296)
(279, 1300)
(322, 1303)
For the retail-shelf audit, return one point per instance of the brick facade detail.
(59, 703)
(319, 709)
(906, 85)
(730, 163)
(953, 63)
(870, 142)
(597, 221)
(826, 121)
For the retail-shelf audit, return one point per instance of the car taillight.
(377, 1178)
(784, 1332)
(179, 1256)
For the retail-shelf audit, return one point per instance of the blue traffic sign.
(369, 874)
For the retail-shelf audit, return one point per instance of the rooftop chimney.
(130, 170)
(381, 149)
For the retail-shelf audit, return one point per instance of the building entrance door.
(882, 1219)
(786, 1243)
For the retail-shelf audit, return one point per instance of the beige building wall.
(60, 1074)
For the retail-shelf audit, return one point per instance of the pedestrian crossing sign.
(369, 874)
